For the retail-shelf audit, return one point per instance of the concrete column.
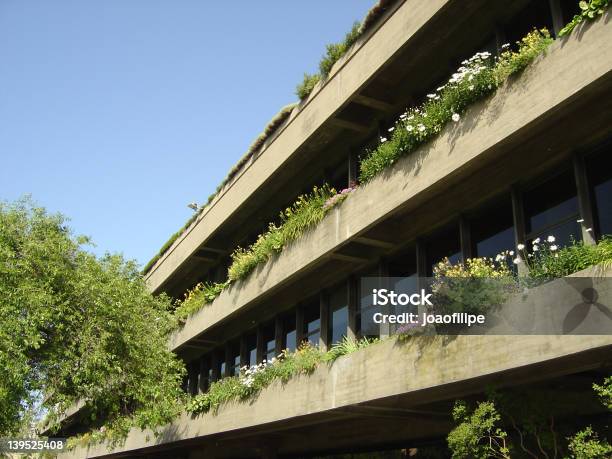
(584, 200)
(353, 167)
(261, 345)
(557, 16)
(324, 321)
(518, 216)
(278, 334)
(465, 238)
(299, 324)
(352, 285)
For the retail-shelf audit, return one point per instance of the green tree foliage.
(77, 327)
(478, 433)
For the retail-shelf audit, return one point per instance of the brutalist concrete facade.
(545, 129)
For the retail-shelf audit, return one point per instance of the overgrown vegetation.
(203, 293)
(522, 424)
(547, 261)
(335, 51)
(588, 11)
(303, 214)
(474, 287)
(254, 379)
(77, 327)
(477, 78)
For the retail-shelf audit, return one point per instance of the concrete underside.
(391, 393)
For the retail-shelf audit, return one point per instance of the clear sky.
(118, 113)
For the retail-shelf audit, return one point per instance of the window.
(536, 14)
(445, 244)
(338, 309)
(234, 360)
(312, 322)
(289, 333)
(269, 342)
(366, 310)
(251, 341)
(552, 209)
(492, 230)
(599, 169)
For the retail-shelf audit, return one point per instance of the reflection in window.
(269, 342)
(252, 349)
(338, 306)
(552, 209)
(234, 358)
(492, 231)
(600, 178)
(312, 323)
(289, 339)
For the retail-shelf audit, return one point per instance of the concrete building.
(532, 159)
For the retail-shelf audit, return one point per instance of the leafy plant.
(478, 433)
(77, 327)
(547, 261)
(477, 77)
(203, 293)
(347, 346)
(304, 89)
(474, 287)
(588, 11)
(336, 50)
(307, 211)
(586, 444)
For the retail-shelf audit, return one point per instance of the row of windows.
(551, 206)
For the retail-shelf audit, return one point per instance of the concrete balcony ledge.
(419, 371)
(347, 77)
(508, 115)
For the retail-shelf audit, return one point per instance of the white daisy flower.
(455, 117)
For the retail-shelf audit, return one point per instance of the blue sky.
(118, 113)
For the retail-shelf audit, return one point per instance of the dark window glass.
(312, 323)
(599, 169)
(289, 341)
(445, 244)
(552, 209)
(403, 264)
(366, 308)
(234, 358)
(269, 341)
(536, 14)
(492, 231)
(569, 8)
(338, 305)
(252, 348)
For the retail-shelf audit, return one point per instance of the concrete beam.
(504, 118)
(421, 370)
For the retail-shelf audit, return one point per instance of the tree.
(77, 327)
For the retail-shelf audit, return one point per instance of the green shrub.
(586, 444)
(547, 261)
(306, 212)
(202, 294)
(336, 50)
(478, 77)
(304, 89)
(588, 11)
(475, 286)
(478, 434)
